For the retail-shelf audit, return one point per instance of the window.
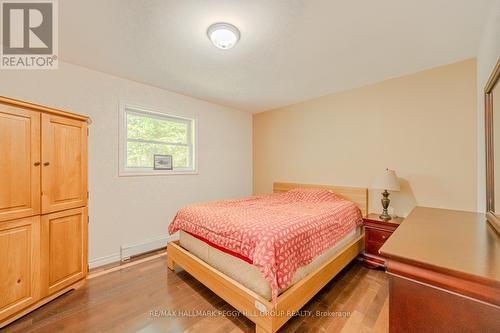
(146, 133)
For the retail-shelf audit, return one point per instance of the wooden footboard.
(268, 318)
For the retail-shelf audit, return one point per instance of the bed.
(287, 248)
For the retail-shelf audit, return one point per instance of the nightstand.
(377, 231)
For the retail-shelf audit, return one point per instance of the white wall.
(421, 125)
(488, 53)
(129, 210)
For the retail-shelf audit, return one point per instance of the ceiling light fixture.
(223, 35)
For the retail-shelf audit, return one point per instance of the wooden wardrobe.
(43, 205)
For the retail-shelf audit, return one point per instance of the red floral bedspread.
(278, 233)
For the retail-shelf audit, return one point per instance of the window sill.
(156, 173)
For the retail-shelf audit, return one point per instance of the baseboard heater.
(130, 250)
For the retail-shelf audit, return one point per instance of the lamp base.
(385, 204)
(385, 217)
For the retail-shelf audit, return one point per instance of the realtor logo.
(29, 34)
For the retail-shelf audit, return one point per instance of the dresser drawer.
(377, 232)
(378, 236)
(373, 247)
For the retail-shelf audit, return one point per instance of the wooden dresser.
(43, 205)
(377, 232)
(444, 273)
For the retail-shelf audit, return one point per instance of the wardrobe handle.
(36, 163)
(46, 164)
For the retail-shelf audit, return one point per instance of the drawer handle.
(46, 164)
(384, 237)
(36, 163)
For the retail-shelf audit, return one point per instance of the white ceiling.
(289, 51)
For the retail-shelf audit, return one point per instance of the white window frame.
(124, 171)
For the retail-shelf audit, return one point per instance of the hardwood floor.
(138, 299)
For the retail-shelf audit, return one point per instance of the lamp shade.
(388, 180)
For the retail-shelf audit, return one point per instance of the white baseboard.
(129, 250)
(104, 260)
(151, 244)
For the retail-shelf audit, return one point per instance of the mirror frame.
(493, 219)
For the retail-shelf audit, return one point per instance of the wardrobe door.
(64, 249)
(64, 163)
(19, 163)
(19, 264)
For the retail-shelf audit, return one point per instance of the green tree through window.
(150, 133)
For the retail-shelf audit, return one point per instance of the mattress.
(249, 275)
(277, 233)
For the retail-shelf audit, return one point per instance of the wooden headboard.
(358, 195)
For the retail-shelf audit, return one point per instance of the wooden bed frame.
(267, 317)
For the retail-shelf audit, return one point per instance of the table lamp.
(387, 181)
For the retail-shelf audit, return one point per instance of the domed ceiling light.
(223, 35)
